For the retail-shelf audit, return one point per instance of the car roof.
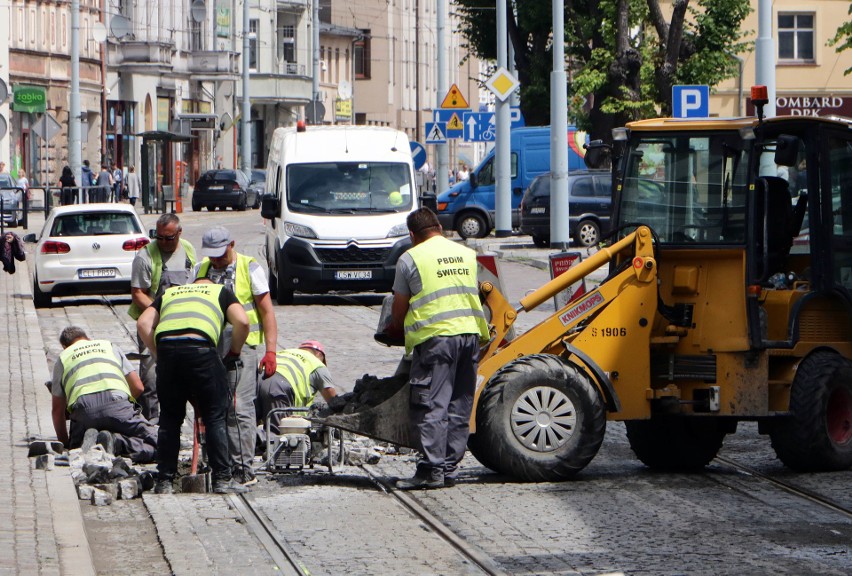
(90, 208)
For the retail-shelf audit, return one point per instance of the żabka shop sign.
(29, 99)
(808, 106)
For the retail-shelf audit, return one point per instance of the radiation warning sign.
(454, 98)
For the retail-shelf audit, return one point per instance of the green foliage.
(842, 40)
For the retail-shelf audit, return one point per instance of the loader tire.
(672, 442)
(539, 419)
(817, 435)
(480, 448)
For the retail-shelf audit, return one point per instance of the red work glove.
(268, 364)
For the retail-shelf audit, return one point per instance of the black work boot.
(423, 478)
(164, 485)
(229, 486)
(106, 441)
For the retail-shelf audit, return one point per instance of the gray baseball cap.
(215, 242)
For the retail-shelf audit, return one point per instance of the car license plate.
(353, 274)
(215, 187)
(538, 210)
(97, 273)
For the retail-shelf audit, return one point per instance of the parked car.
(85, 249)
(257, 185)
(221, 189)
(11, 201)
(589, 207)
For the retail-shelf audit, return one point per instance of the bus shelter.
(160, 150)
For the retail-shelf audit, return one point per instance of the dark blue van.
(468, 207)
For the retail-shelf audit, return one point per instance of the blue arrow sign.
(418, 154)
(436, 133)
(479, 127)
(453, 120)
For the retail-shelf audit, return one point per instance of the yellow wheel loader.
(729, 298)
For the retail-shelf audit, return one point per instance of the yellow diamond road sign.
(502, 83)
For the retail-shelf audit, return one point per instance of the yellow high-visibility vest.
(193, 306)
(90, 366)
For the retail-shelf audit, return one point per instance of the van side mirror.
(269, 207)
(472, 180)
(597, 154)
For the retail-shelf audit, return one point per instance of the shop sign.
(343, 109)
(223, 20)
(32, 99)
(808, 106)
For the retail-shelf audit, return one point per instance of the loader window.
(838, 211)
(688, 189)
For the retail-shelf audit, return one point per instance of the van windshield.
(349, 187)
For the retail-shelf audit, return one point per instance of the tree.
(623, 56)
(843, 39)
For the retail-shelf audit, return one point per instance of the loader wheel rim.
(543, 419)
(839, 416)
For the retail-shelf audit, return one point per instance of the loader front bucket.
(387, 422)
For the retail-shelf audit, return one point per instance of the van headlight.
(298, 230)
(398, 230)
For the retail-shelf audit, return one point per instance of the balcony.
(136, 55)
(214, 65)
(292, 5)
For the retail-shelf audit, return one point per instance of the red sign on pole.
(559, 264)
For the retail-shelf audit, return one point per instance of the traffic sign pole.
(502, 152)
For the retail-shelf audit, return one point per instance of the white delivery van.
(335, 207)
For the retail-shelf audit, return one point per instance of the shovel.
(195, 482)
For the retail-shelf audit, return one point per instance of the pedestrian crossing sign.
(454, 99)
(436, 133)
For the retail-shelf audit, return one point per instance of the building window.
(362, 55)
(796, 37)
(289, 43)
(253, 26)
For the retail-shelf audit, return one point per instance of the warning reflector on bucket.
(559, 264)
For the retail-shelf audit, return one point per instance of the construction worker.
(166, 262)
(182, 328)
(96, 384)
(436, 304)
(300, 374)
(242, 274)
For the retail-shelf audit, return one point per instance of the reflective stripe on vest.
(194, 306)
(157, 271)
(242, 289)
(296, 366)
(90, 366)
(448, 303)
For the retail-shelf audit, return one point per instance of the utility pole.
(75, 153)
(442, 165)
(316, 61)
(764, 73)
(245, 117)
(502, 148)
(560, 234)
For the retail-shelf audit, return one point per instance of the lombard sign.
(32, 99)
(808, 106)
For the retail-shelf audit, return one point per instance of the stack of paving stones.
(99, 477)
(369, 391)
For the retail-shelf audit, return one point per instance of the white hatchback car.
(85, 249)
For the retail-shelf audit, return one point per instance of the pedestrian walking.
(436, 305)
(117, 184)
(104, 184)
(95, 385)
(183, 328)
(134, 186)
(224, 265)
(87, 176)
(67, 182)
(24, 183)
(162, 264)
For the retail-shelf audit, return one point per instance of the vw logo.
(96, 246)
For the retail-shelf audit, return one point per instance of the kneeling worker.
(299, 374)
(95, 382)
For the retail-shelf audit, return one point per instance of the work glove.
(268, 364)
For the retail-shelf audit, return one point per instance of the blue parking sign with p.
(690, 101)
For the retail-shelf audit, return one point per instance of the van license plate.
(353, 274)
(538, 210)
(97, 273)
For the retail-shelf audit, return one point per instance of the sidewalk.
(41, 527)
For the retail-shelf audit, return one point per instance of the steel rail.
(789, 488)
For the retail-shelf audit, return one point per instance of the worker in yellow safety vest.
(95, 385)
(300, 374)
(242, 274)
(166, 262)
(182, 328)
(436, 304)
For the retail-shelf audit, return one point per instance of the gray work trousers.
(112, 411)
(148, 401)
(242, 426)
(443, 380)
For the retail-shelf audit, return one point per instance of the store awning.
(163, 136)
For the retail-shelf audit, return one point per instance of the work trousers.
(189, 370)
(442, 380)
(148, 401)
(114, 412)
(272, 393)
(242, 425)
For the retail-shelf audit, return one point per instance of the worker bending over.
(300, 374)
(95, 382)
